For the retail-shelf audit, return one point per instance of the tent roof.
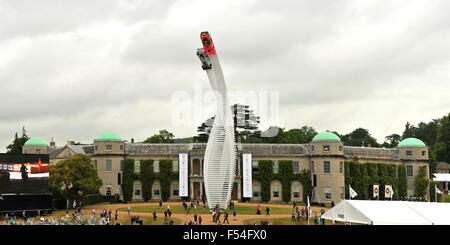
(441, 177)
(390, 212)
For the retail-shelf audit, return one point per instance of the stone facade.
(325, 160)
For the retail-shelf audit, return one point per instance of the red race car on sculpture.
(208, 45)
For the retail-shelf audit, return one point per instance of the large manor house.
(324, 157)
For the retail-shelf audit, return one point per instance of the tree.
(75, 177)
(16, 146)
(310, 132)
(392, 141)
(443, 139)
(204, 130)
(359, 137)
(164, 136)
(245, 124)
(410, 131)
(402, 182)
(245, 121)
(421, 184)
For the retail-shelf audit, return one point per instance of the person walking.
(200, 220)
(187, 210)
(169, 213)
(267, 211)
(234, 214)
(315, 218)
(293, 215)
(195, 219)
(226, 218)
(294, 204)
(117, 214)
(154, 215)
(129, 209)
(160, 203)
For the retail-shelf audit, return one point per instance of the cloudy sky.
(74, 69)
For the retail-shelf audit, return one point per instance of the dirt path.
(207, 218)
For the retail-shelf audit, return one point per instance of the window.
(108, 166)
(276, 167)
(312, 167)
(312, 148)
(156, 190)
(95, 163)
(38, 150)
(296, 167)
(327, 192)
(137, 166)
(340, 148)
(326, 148)
(25, 151)
(276, 191)
(121, 147)
(409, 170)
(341, 167)
(254, 166)
(96, 147)
(423, 153)
(108, 190)
(409, 153)
(256, 190)
(108, 147)
(342, 192)
(121, 165)
(175, 166)
(326, 167)
(175, 190)
(156, 166)
(137, 189)
(296, 190)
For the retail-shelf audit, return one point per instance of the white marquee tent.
(441, 177)
(390, 212)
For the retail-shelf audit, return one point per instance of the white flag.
(353, 193)
(376, 190)
(437, 190)
(388, 191)
(308, 203)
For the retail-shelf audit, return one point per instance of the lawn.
(179, 209)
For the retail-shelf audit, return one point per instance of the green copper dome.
(411, 142)
(109, 136)
(36, 142)
(326, 136)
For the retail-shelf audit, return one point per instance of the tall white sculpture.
(220, 154)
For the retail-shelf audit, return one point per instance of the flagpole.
(435, 194)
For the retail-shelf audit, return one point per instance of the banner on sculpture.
(183, 175)
(247, 174)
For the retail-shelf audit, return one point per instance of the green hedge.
(285, 175)
(166, 175)
(265, 176)
(147, 177)
(362, 177)
(127, 179)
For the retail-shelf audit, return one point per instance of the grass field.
(179, 209)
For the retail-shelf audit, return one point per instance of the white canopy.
(441, 177)
(390, 212)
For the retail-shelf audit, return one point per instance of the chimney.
(132, 140)
(69, 142)
(52, 143)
